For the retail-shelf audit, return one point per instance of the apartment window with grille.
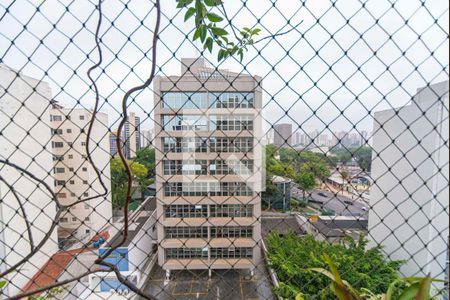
(83, 143)
(71, 169)
(57, 144)
(186, 253)
(231, 232)
(228, 253)
(231, 145)
(232, 123)
(186, 211)
(81, 117)
(231, 167)
(59, 170)
(57, 131)
(62, 195)
(186, 232)
(86, 194)
(84, 169)
(232, 189)
(58, 157)
(74, 219)
(69, 130)
(63, 220)
(85, 182)
(72, 182)
(60, 182)
(231, 211)
(55, 118)
(87, 219)
(70, 156)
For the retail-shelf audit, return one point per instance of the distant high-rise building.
(296, 138)
(147, 137)
(26, 143)
(282, 135)
(417, 208)
(75, 177)
(131, 137)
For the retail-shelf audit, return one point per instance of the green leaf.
(214, 17)
(221, 54)
(410, 292)
(189, 14)
(2, 284)
(219, 31)
(200, 9)
(209, 44)
(197, 33)
(256, 31)
(212, 3)
(424, 289)
(203, 33)
(241, 54)
(183, 3)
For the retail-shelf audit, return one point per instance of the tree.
(146, 157)
(293, 257)
(306, 181)
(119, 180)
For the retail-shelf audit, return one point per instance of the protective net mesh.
(144, 156)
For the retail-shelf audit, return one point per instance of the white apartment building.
(75, 177)
(26, 143)
(147, 137)
(409, 213)
(208, 168)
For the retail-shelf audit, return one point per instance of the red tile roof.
(51, 270)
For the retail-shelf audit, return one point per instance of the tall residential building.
(75, 177)
(24, 142)
(147, 137)
(282, 135)
(411, 194)
(208, 159)
(131, 137)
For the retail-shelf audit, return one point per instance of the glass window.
(186, 232)
(186, 211)
(232, 100)
(231, 232)
(57, 144)
(182, 100)
(186, 253)
(231, 210)
(185, 123)
(231, 253)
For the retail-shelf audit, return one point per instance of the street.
(332, 202)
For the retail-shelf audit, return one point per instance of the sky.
(346, 60)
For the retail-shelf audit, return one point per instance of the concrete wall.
(33, 153)
(410, 197)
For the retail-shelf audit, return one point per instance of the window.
(86, 194)
(55, 118)
(188, 167)
(70, 156)
(63, 220)
(185, 145)
(61, 195)
(231, 123)
(59, 170)
(69, 130)
(57, 144)
(72, 182)
(186, 253)
(234, 167)
(231, 253)
(60, 182)
(184, 100)
(232, 100)
(186, 232)
(84, 169)
(81, 117)
(88, 231)
(71, 169)
(83, 143)
(231, 232)
(186, 211)
(85, 182)
(83, 156)
(185, 123)
(70, 144)
(72, 194)
(87, 219)
(231, 145)
(58, 157)
(74, 219)
(231, 210)
(57, 131)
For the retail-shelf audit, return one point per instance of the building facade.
(411, 195)
(75, 177)
(131, 137)
(208, 168)
(282, 135)
(25, 142)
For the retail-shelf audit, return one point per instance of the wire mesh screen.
(208, 149)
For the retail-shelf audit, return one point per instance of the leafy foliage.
(146, 157)
(293, 257)
(119, 180)
(362, 155)
(401, 289)
(207, 15)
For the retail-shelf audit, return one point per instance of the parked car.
(365, 208)
(322, 194)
